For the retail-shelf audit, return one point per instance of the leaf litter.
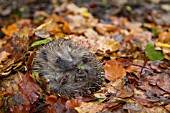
(136, 71)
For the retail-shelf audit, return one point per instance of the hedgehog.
(70, 69)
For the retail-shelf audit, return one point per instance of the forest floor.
(131, 37)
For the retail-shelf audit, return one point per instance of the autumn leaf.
(164, 45)
(10, 29)
(42, 26)
(52, 99)
(164, 37)
(164, 82)
(3, 56)
(117, 35)
(100, 96)
(89, 108)
(71, 104)
(114, 70)
(168, 107)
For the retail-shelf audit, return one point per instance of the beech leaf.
(153, 54)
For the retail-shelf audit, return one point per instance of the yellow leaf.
(42, 26)
(162, 45)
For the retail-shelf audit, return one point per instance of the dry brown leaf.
(20, 104)
(76, 23)
(134, 107)
(107, 44)
(91, 34)
(92, 22)
(53, 27)
(71, 104)
(52, 99)
(104, 28)
(168, 107)
(125, 92)
(29, 88)
(133, 26)
(3, 56)
(156, 109)
(89, 108)
(114, 70)
(164, 82)
(23, 21)
(141, 97)
(81, 10)
(134, 69)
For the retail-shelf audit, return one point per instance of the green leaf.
(154, 31)
(153, 54)
(39, 42)
(18, 13)
(35, 76)
(81, 67)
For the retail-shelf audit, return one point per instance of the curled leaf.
(39, 42)
(43, 25)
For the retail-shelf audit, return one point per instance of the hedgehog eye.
(70, 45)
(58, 60)
(85, 59)
(44, 55)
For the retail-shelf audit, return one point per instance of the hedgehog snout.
(72, 65)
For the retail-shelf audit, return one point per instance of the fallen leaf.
(20, 104)
(114, 70)
(134, 107)
(71, 104)
(133, 25)
(76, 23)
(164, 37)
(159, 44)
(10, 29)
(29, 88)
(141, 97)
(100, 96)
(52, 99)
(125, 92)
(42, 26)
(78, 10)
(89, 108)
(164, 82)
(168, 107)
(3, 56)
(104, 28)
(53, 27)
(39, 42)
(153, 54)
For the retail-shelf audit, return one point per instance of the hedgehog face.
(64, 61)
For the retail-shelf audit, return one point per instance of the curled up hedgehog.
(70, 68)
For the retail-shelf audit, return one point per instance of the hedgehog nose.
(74, 65)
